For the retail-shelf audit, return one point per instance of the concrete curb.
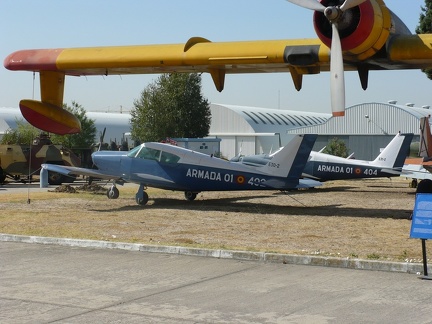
(348, 263)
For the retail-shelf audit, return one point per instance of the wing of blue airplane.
(68, 170)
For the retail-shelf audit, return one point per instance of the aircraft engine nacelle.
(363, 29)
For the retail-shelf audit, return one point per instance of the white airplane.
(324, 167)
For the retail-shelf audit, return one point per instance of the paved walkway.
(66, 284)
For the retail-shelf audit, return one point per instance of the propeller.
(337, 81)
(101, 138)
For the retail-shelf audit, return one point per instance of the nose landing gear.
(113, 192)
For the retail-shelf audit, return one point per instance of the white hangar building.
(252, 130)
(365, 129)
(369, 127)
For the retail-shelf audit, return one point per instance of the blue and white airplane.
(323, 167)
(171, 167)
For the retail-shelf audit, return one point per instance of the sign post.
(421, 225)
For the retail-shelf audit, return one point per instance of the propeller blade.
(103, 134)
(350, 3)
(101, 138)
(337, 82)
(309, 4)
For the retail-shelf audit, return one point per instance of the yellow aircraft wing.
(196, 55)
(364, 35)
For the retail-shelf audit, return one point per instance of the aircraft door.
(125, 167)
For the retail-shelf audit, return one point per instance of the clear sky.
(28, 24)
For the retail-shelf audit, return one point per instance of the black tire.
(189, 195)
(144, 200)
(55, 178)
(2, 176)
(424, 186)
(113, 193)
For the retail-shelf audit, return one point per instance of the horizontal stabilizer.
(283, 184)
(395, 171)
(308, 183)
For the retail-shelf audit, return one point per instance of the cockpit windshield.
(134, 151)
(142, 152)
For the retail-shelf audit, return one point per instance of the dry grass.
(363, 218)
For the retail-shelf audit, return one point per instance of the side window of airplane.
(149, 154)
(169, 158)
(152, 154)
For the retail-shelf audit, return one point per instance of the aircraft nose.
(107, 160)
(96, 158)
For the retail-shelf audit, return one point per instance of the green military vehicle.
(21, 162)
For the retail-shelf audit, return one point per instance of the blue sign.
(421, 225)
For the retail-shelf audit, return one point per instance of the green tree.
(173, 106)
(336, 147)
(425, 26)
(86, 137)
(24, 134)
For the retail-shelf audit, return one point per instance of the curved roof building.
(366, 127)
(253, 130)
(373, 119)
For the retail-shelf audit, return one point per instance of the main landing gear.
(189, 195)
(141, 197)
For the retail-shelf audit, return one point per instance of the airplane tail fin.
(394, 154)
(291, 160)
(425, 138)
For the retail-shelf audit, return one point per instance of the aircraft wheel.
(113, 193)
(143, 201)
(424, 186)
(55, 178)
(2, 176)
(189, 195)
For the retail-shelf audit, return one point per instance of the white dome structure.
(253, 130)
